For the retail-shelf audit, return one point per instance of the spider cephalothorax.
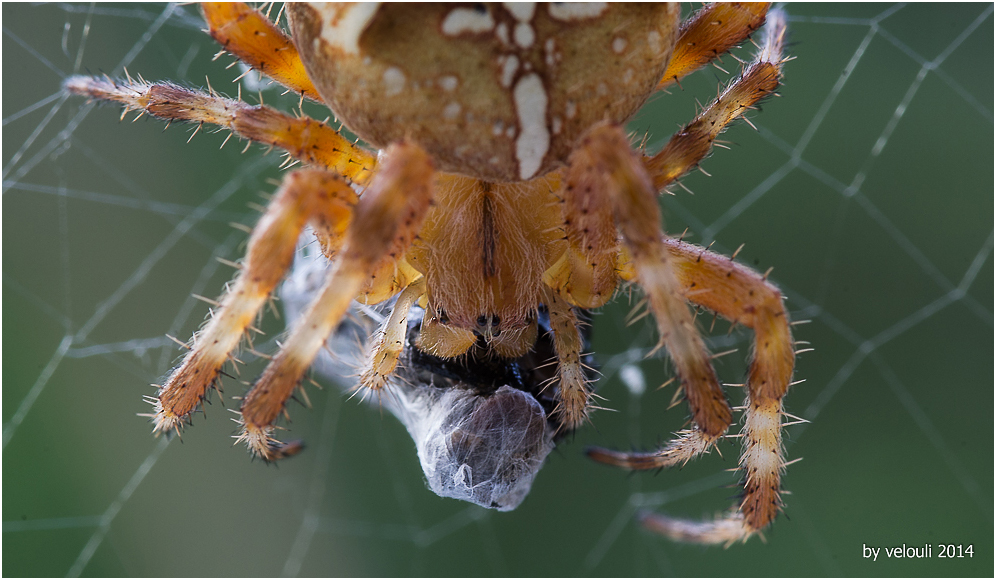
(504, 189)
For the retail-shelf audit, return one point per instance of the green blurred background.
(867, 187)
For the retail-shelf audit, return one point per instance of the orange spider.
(503, 183)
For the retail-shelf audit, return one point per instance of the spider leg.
(688, 444)
(304, 138)
(574, 393)
(744, 297)
(710, 32)
(612, 168)
(384, 223)
(305, 196)
(693, 142)
(386, 348)
(248, 34)
(586, 274)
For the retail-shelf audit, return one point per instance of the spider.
(502, 185)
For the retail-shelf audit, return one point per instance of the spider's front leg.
(710, 32)
(314, 196)
(384, 223)
(248, 34)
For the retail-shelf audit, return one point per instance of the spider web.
(867, 186)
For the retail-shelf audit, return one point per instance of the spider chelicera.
(503, 190)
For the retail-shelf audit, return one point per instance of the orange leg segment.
(710, 32)
(384, 224)
(693, 142)
(248, 34)
(304, 138)
(615, 171)
(586, 273)
(743, 296)
(574, 393)
(305, 196)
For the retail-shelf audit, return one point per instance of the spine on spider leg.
(306, 195)
(693, 142)
(384, 223)
(304, 138)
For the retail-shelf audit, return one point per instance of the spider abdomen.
(497, 92)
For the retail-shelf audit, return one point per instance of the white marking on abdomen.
(461, 20)
(394, 81)
(521, 11)
(534, 136)
(576, 10)
(524, 35)
(343, 28)
(508, 69)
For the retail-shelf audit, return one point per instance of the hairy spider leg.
(721, 290)
(574, 394)
(587, 273)
(389, 342)
(742, 296)
(615, 172)
(384, 223)
(248, 34)
(684, 150)
(711, 31)
(694, 141)
(304, 138)
(313, 196)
